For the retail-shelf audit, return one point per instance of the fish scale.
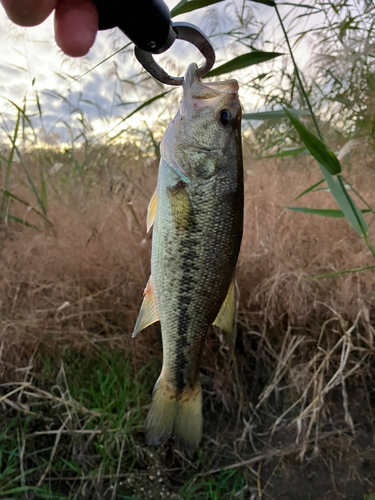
(197, 212)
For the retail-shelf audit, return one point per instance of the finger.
(28, 12)
(76, 24)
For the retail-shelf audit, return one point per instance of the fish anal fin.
(225, 319)
(148, 313)
(151, 211)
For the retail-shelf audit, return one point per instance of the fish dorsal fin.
(148, 313)
(225, 319)
(151, 211)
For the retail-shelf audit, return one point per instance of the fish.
(197, 218)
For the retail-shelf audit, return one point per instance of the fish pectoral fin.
(151, 211)
(225, 319)
(180, 207)
(148, 313)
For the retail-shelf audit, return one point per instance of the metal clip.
(189, 33)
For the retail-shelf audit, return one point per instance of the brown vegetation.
(300, 375)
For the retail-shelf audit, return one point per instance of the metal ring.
(189, 33)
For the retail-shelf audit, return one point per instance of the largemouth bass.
(197, 212)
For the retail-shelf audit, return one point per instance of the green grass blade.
(19, 489)
(287, 152)
(309, 189)
(17, 219)
(43, 188)
(340, 273)
(278, 114)
(270, 3)
(349, 186)
(326, 158)
(102, 61)
(244, 61)
(352, 213)
(356, 215)
(184, 6)
(9, 160)
(22, 111)
(24, 489)
(336, 214)
(139, 108)
(305, 6)
(38, 104)
(31, 184)
(8, 194)
(177, 7)
(72, 466)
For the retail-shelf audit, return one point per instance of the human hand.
(76, 21)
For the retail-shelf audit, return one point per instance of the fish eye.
(225, 116)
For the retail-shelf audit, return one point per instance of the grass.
(73, 426)
(75, 430)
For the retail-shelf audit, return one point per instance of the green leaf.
(240, 62)
(336, 214)
(278, 114)
(287, 152)
(185, 6)
(326, 158)
(347, 205)
(270, 3)
(177, 7)
(309, 189)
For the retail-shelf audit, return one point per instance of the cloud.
(31, 64)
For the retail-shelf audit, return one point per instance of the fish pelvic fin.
(148, 313)
(175, 415)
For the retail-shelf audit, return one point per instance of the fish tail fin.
(188, 420)
(175, 415)
(160, 418)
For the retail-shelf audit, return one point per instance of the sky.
(31, 64)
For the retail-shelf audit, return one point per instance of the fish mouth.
(196, 89)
